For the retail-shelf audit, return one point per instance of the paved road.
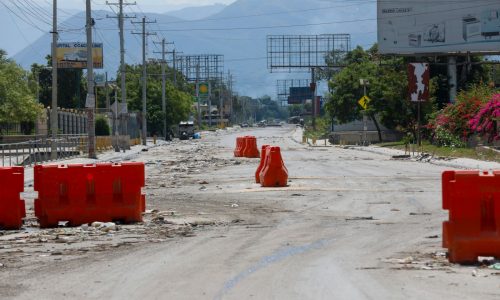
(351, 225)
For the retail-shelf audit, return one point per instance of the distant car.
(243, 125)
(262, 124)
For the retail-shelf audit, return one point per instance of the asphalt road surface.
(350, 225)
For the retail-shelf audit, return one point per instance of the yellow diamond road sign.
(364, 101)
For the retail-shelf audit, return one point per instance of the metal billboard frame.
(200, 67)
(297, 53)
(283, 88)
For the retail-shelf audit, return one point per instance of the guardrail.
(39, 150)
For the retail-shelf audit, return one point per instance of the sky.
(146, 5)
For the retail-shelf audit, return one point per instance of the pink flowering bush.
(452, 125)
(487, 120)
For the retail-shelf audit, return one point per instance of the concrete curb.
(456, 163)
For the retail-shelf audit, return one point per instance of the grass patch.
(488, 155)
(322, 129)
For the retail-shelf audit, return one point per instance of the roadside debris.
(360, 219)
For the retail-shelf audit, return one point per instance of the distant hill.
(196, 13)
(18, 30)
(244, 49)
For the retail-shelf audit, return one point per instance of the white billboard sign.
(438, 26)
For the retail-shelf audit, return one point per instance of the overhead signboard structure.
(74, 55)
(201, 68)
(283, 88)
(301, 53)
(446, 28)
(423, 26)
(296, 53)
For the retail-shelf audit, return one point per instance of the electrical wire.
(23, 19)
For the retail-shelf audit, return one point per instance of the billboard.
(74, 55)
(299, 95)
(438, 26)
(418, 81)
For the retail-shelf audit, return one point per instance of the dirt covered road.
(350, 225)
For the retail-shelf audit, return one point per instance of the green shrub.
(101, 126)
(445, 138)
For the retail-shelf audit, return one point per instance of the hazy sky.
(146, 5)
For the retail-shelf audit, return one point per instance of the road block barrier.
(274, 173)
(12, 208)
(262, 163)
(239, 146)
(251, 150)
(473, 201)
(81, 194)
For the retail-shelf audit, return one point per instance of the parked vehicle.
(186, 130)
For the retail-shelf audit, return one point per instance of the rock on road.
(350, 225)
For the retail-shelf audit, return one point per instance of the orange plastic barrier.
(83, 194)
(274, 173)
(240, 144)
(473, 201)
(262, 163)
(12, 209)
(251, 150)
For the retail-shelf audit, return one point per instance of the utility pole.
(198, 94)
(163, 88)
(175, 67)
(144, 76)
(90, 103)
(313, 89)
(53, 112)
(221, 100)
(121, 18)
(106, 87)
(230, 86)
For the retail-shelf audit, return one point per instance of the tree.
(178, 100)
(71, 85)
(17, 100)
(295, 110)
(387, 91)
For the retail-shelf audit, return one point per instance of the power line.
(23, 19)
(311, 24)
(355, 3)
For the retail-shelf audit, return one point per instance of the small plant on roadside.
(445, 138)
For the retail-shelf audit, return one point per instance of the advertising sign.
(74, 55)
(418, 80)
(203, 89)
(438, 26)
(299, 94)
